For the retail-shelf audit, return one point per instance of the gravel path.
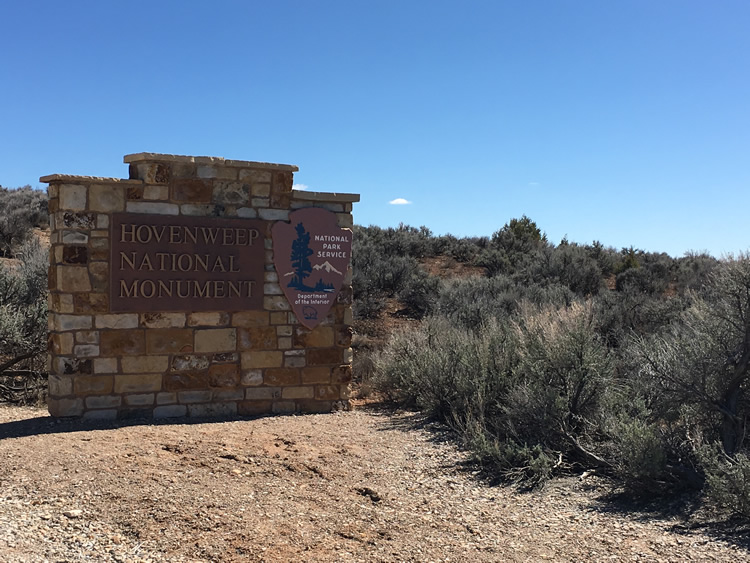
(350, 486)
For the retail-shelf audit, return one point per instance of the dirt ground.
(366, 485)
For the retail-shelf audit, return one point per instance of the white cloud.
(302, 187)
(399, 201)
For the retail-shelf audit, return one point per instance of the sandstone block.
(197, 210)
(123, 342)
(222, 172)
(278, 318)
(274, 214)
(281, 377)
(107, 199)
(231, 193)
(272, 289)
(341, 374)
(144, 364)
(190, 363)
(61, 343)
(212, 410)
(193, 190)
(105, 365)
(139, 400)
(153, 172)
(194, 396)
(222, 395)
(247, 212)
(276, 303)
(60, 386)
(170, 411)
(71, 279)
(248, 319)
(72, 197)
(72, 366)
(77, 220)
(284, 330)
(155, 193)
(74, 237)
(298, 393)
(258, 359)
(86, 350)
(90, 303)
(76, 255)
(262, 393)
(345, 220)
(169, 340)
(117, 320)
(282, 182)
(225, 358)
(214, 319)
(312, 375)
(65, 407)
(257, 338)
(284, 407)
(156, 208)
(253, 176)
(166, 398)
(261, 190)
(251, 377)
(87, 337)
(327, 392)
(294, 361)
(224, 375)
(163, 320)
(93, 385)
(102, 221)
(320, 337)
(216, 340)
(285, 343)
(324, 356)
(140, 383)
(99, 276)
(179, 381)
(103, 402)
(71, 322)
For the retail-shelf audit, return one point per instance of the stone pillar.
(194, 360)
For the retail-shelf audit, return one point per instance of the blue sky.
(625, 122)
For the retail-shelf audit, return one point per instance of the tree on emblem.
(300, 262)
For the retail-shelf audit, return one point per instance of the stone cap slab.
(207, 160)
(73, 179)
(304, 195)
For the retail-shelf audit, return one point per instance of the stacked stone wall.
(157, 363)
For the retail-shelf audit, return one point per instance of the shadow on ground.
(686, 512)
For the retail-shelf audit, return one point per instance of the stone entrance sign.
(165, 297)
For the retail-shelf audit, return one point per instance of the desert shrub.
(23, 324)
(384, 267)
(727, 479)
(473, 302)
(703, 361)
(521, 393)
(23, 209)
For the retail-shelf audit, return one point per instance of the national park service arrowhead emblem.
(311, 254)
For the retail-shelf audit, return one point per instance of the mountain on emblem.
(327, 267)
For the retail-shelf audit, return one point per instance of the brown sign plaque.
(311, 254)
(178, 263)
